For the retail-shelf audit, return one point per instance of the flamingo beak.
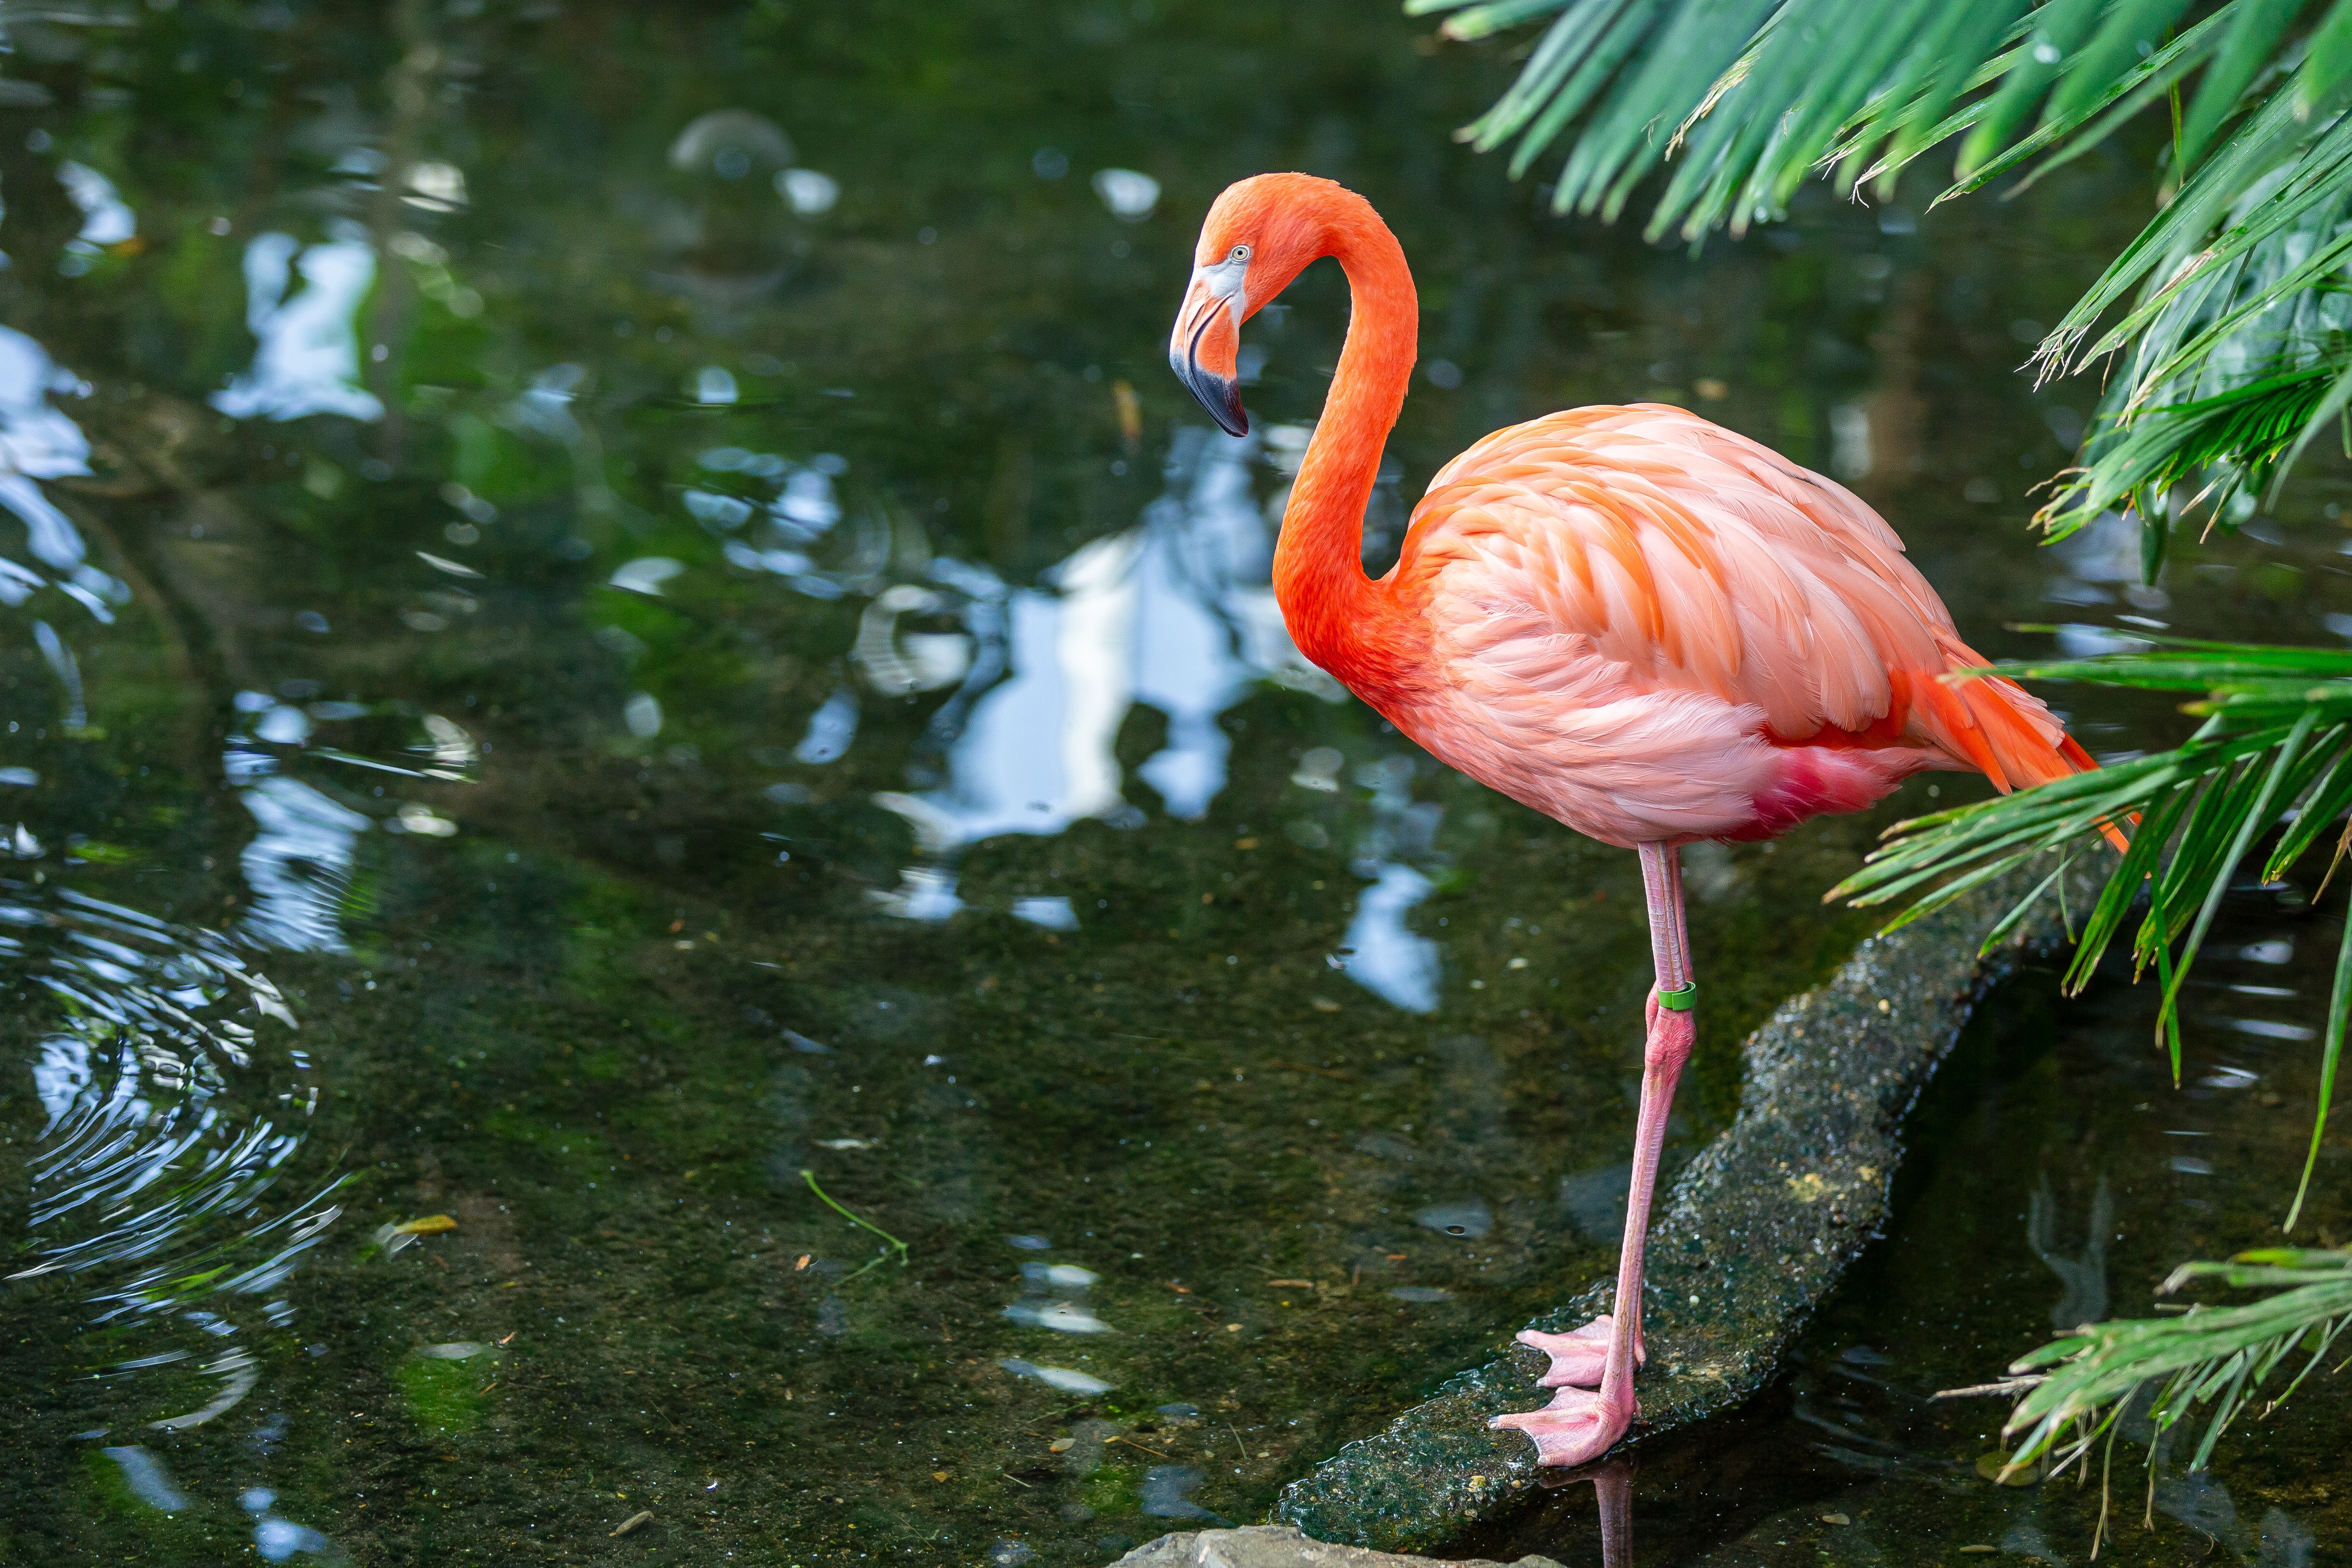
(1207, 338)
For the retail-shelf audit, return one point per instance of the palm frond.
(2228, 306)
(2276, 746)
(1759, 95)
(2081, 1388)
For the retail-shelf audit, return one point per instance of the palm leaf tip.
(2214, 1359)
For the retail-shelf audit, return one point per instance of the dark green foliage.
(2235, 440)
(1753, 96)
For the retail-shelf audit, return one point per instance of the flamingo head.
(1258, 235)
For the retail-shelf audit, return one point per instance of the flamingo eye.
(1240, 253)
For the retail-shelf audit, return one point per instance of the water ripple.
(175, 1104)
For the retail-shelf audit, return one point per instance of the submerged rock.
(1753, 1235)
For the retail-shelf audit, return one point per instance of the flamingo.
(1643, 625)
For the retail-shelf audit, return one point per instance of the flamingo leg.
(1583, 1422)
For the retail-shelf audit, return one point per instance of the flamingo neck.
(1330, 606)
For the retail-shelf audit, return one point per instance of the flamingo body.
(1656, 630)
(1632, 619)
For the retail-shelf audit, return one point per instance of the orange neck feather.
(1334, 612)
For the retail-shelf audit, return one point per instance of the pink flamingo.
(1633, 621)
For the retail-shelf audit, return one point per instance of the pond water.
(664, 852)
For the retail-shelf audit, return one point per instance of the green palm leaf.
(2218, 1359)
(2276, 746)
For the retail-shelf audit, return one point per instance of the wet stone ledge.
(1281, 1546)
(1753, 1235)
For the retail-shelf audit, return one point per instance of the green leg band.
(1680, 1001)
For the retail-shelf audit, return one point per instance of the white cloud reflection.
(1174, 613)
(38, 442)
(308, 359)
(807, 192)
(106, 218)
(1385, 957)
(298, 865)
(1130, 194)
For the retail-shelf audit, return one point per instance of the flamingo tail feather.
(2013, 738)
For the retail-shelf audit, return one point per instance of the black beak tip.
(1227, 408)
(1232, 418)
(1218, 394)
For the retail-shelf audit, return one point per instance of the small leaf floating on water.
(1995, 1468)
(430, 1224)
(633, 1521)
(1130, 412)
(1835, 1518)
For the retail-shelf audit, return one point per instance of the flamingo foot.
(1577, 1357)
(1578, 1426)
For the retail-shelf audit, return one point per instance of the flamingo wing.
(1653, 627)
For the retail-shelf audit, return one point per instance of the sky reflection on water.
(306, 358)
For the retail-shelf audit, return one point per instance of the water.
(617, 637)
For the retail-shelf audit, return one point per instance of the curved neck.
(1319, 573)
